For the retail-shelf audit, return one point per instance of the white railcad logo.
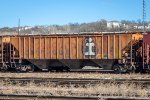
(89, 47)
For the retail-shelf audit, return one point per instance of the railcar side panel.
(85, 49)
(99, 47)
(54, 48)
(116, 46)
(71, 47)
(146, 52)
(66, 49)
(106, 47)
(80, 47)
(60, 48)
(31, 46)
(111, 47)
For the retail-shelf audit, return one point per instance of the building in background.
(113, 24)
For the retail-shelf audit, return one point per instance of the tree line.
(98, 26)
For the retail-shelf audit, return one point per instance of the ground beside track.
(73, 88)
(100, 89)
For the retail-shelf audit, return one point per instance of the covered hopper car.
(119, 52)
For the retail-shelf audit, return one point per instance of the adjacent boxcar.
(68, 51)
(145, 52)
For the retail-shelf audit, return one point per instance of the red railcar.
(146, 52)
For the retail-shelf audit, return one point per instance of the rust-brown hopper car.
(108, 51)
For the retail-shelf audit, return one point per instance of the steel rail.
(43, 97)
(61, 81)
(49, 97)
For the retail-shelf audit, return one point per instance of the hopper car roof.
(73, 34)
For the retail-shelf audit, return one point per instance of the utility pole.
(144, 15)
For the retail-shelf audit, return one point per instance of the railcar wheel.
(4, 68)
(117, 69)
(147, 71)
(18, 69)
(31, 68)
(131, 69)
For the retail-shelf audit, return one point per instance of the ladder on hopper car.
(146, 57)
(1, 54)
(132, 54)
(4, 57)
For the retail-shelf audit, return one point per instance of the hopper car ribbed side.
(108, 51)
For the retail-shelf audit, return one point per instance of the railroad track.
(62, 81)
(46, 97)
(83, 81)
(92, 71)
(76, 71)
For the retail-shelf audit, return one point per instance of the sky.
(49, 12)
